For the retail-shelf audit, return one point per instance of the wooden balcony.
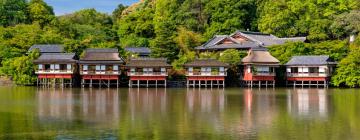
(147, 74)
(100, 72)
(206, 73)
(54, 72)
(264, 74)
(307, 75)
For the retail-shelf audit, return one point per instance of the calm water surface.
(234, 113)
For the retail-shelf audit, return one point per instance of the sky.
(62, 7)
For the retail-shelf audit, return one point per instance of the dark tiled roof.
(102, 50)
(206, 63)
(48, 48)
(260, 55)
(56, 58)
(97, 56)
(310, 60)
(148, 62)
(139, 50)
(213, 44)
(268, 39)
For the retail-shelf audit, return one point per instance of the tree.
(163, 44)
(302, 18)
(227, 16)
(40, 12)
(232, 57)
(348, 70)
(21, 69)
(13, 12)
(346, 24)
(117, 13)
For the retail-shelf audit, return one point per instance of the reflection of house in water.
(259, 109)
(205, 100)
(145, 101)
(92, 105)
(308, 102)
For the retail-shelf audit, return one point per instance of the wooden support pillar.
(302, 84)
(108, 83)
(251, 84)
(71, 83)
(199, 83)
(260, 84)
(156, 83)
(138, 83)
(211, 83)
(223, 82)
(37, 82)
(90, 85)
(274, 83)
(147, 83)
(266, 84)
(117, 83)
(187, 83)
(165, 83)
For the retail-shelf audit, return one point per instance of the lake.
(167, 114)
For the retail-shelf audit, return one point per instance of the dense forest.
(172, 28)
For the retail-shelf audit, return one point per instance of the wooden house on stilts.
(259, 68)
(100, 67)
(206, 73)
(56, 69)
(147, 72)
(309, 70)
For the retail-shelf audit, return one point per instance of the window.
(85, 67)
(314, 70)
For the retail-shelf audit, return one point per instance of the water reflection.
(143, 102)
(94, 105)
(205, 100)
(176, 113)
(308, 102)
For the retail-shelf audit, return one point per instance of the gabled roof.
(139, 50)
(148, 63)
(55, 58)
(101, 56)
(260, 55)
(48, 48)
(310, 60)
(215, 44)
(206, 63)
(265, 40)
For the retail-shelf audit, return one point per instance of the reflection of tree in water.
(91, 105)
(308, 103)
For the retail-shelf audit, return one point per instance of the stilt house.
(206, 73)
(259, 68)
(310, 70)
(56, 69)
(147, 71)
(100, 67)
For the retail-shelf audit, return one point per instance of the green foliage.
(335, 49)
(13, 12)
(346, 24)
(188, 57)
(117, 13)
(21, 69)
(227, 16)
(302, 17)
(232, 57)
(40, 12)
(348, 70)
